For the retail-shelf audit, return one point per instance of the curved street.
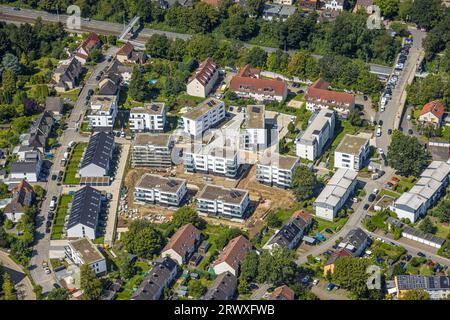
(23, 286)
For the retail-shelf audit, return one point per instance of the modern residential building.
(149, 118)
(352, 153)
(311, 142)
(356, 241)
(206, 115)
(40, 131)
(22, 196)
(84, 213)
(318, 96)
(276, 170)
(152, 188)
(438, 287)
(432, 113)
(249, 84)
(182, 244)
(201, 83)
(54, 105)
(282, 293)
(224, 202)
(335, 194)
(232, 255)
(83, 251)
(291, 233)
(103, 112)
(67, 75)
(92, 42)
(337, 5)
(152, 150)
(211, 160)
(223, 288)
(97, 157)
(425, 193)
(162, 274)
(254, 136)
(278, 12)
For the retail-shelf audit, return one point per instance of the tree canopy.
(305, 183)
(143, 239)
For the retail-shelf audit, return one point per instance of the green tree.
(303, 66)
(415, 294)
(389, 8)
(9, 292)
(304, 182)
(8, 82)
(11, 62)
(243, 286)
(442, 211)
(138, 86)
(90, 284)
(426, 13)
(427, 226)
(249, 267)
(127, 267)
(142, 239)
(277, 267)
(157, 46)
(95, 55)
(355, 119)
(351, 274)
(58, 294)
(406, 154)
(196, 289)
(273, 220)
(186, 215)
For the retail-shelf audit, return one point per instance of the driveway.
(22, 283)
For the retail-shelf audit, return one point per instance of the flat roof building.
(149, 118)
(275, 169)
(352, 153)
(152, 188)
(206, 115)
(438, 287)
(152, 150)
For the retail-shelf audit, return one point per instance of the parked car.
(315, 282)
(410, 131)
(54, 177)
(328, 230)
(420, 254)
(372, 197)
(330, 286)
(366, 206)
(389, 132)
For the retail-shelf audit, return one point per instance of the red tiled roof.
(436, 107)
(234, 252)
(261, 86)
(338, 254)
(283, 293)
(319, 91)
(248, 71)
(23, 185)
(91, 41)
(305, 215)
(126, 50)
(205, 71)
(183, 240)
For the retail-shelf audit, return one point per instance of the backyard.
(74, 162)
(60, 216)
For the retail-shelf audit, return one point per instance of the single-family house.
(232, 255)
(182, 244)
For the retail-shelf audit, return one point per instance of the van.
(52, 204)
(71, 144)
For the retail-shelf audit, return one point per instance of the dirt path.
(23, 285)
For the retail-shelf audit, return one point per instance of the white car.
(382, 108)
(379, 131)
(380, 150)
(375, 191)
(315, 282)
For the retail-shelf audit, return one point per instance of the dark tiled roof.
(24, 167)
(223, 287)
(85, 208)
(99, 150)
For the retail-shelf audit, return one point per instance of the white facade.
(284, 2)
(224, 267)
(103, 111)
(222, 161)
(334, 5)
(255, 135)
(150, 118)
(172, 254)
(201, 84)
(90, 255)
(335, 194)
(159, 190)
(351, 153)
(310, 143)
(205, 116)
(224, 202)
(81, 231)
(277, 171)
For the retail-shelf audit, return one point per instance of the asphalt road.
(42, 245)
(22, 283)
(395, 105)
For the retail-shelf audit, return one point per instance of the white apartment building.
(103, 112)
(152, 150)
(352, 152)
(425, 193)
(204, 79)
(204, 116)
(254, 136)
(221, 161)
(149, 118)
(224, 202)
(335, 194)
(83, 251)
(310, 143)
(284, 2)
(276, 170)
(155, 189)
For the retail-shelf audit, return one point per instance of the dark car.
(410, 131)
(54, 198)
(54, 177)
(380, 122)
(408, 257)
(366, 206)
(56, 286)
(109, 58)
(47, 230)
(97, 77)
(365, 98)
(50, 216)
(328, 230)
(48, 224)
(420, 254)
(16, 9)
(389, 131)
(90, 92)
(372, 197)
(296, 85)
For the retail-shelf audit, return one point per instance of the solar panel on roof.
(172, 183)
(154, 107)
(256, 109)
(235, 194)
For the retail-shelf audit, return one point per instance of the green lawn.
(72, 166)
(72, 94)
(333, 225)
(387, 251)
(133, 283)
(442, 230)
(61, 212)
(389, 193)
